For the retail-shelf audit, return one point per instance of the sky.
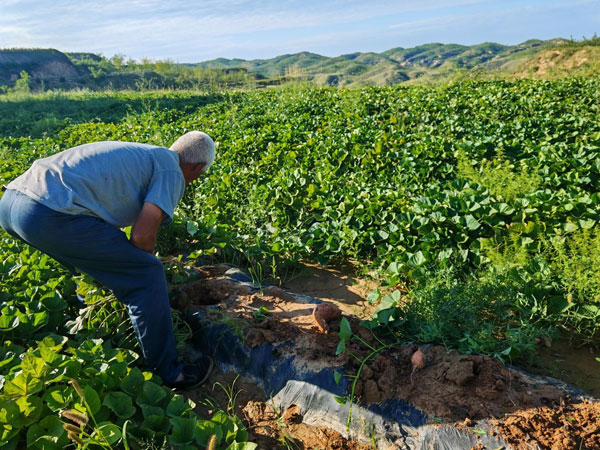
(188, 31)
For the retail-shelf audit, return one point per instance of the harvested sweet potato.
(418, 361)
(323, 313)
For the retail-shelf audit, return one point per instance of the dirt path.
(338, 286)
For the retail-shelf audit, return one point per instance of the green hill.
(560, 61)
(393, 66)
(42, 64)
(48, 68)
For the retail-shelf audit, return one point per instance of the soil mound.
(451, 389)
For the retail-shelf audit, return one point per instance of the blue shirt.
(109, 180)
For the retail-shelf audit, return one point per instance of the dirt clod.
(499, 385)
(461, 372)
(292, 415)
(371, 392)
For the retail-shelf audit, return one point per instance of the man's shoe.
(194, 374)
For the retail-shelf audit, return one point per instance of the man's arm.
(145, 228)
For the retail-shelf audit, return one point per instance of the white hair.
(195, 147)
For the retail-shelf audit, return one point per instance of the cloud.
(191, 30)
(208, 17)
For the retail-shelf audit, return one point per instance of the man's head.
(196, 152)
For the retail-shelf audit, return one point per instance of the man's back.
(109, 180)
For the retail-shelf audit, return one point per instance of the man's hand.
(145, 228)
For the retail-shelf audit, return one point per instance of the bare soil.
(564, 427)
(450, 388)
(338, 286)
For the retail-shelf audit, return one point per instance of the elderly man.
(72, 205)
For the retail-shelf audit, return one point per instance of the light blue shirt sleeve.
(165, 190)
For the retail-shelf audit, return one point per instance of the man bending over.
(72, 205)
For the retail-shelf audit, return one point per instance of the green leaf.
(505, 209)
(148, 411)
(23, 384)
(417, 260)
(47, 435)
(444, 254)
(152, 394)
(383, 235)
(337, 376)
(345, 329)
(374, 296)
(120, 403)
(232, 427)
(570, 227)
(57, 397)
(53, 302)
(69, 369)
(39, 320)
(341, 347)
(242, 446)
(30, 406)
(479, 431)
(109, 431)
(385, 316)
(178, 407)
(34, 432)
(133, 383)
(11, 417)
(205, 429)
(558, 304)
(586, 224)
(472, 223)
(8, 321)
(394, 268)
(158, 424)
(117, 369)
(340, 400)
(50, 354)
(191, 227)
(33, 365)
(389, 301)
(92, 399)
(183, 430)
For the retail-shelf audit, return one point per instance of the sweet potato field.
(474, 207)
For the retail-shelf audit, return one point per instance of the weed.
(500, 176)
(232, 393)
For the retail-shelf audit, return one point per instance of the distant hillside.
(561, 61)
(51, 69)
(41, 64)
(393, 66)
